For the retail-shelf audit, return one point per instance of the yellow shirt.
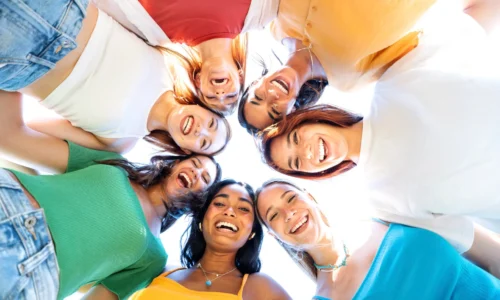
(166, 288)
(355, 40)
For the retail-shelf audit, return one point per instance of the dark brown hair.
(301, 258)
(323, 113)
(159, 168)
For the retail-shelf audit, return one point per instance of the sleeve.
(457, 230)
(137, 276)
(81, 157)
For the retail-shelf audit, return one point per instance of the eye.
(297, 163)
(211, 124)
(273, 217)
(195, 163)
(203, 144)
(275, 111)
(258, 98)
(205, 179)
(245, 209)
(210, 97)
(295, 138)
(218, 204)
(292, 198)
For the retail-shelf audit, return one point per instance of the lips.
(226, 226)
(281, 85)
(300, 225)
(322, 150)
(187, 124)
(184, 180)
(219, 81)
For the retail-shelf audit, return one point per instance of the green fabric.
(97, 223)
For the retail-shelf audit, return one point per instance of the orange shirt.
(355, 40)
(195, 21)
(166, 288)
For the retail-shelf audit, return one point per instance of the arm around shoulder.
(261, 286)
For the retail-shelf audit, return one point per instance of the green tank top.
(97, 224)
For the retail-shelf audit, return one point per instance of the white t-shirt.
(431, 143)
(114, 84)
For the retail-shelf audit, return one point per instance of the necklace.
(217, 276)
(331, 268)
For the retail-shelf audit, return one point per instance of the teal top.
(97, 224)
(416, 264)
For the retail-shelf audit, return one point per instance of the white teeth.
(282, 86)
(184, 175)
(321, 150)
(226, 224)
(300, 223)
(188, 124)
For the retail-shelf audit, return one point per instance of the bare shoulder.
(262, 286)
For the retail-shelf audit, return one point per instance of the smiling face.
(291, 215)
(195, 175)
(271, 98)
(309, 148)
(219, 83)
(196, 129)
(229, 219)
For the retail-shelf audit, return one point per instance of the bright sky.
(340, 198)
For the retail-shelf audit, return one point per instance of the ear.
(197, 82)
(188, 152)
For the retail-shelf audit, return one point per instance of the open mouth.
(300, 226)
(219, 81)
(226, 226)
(281, 85)
(187, 124)
(184, 180)
(323, 150)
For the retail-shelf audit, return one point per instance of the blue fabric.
(413, 263)
(28, 262)
(34, 36)
(320, 298)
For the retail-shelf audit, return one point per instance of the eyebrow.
(199, 161)
(284, 194)
(226, 196)
(254, 103)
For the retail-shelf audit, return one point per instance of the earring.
(199, 226)
(251, 236)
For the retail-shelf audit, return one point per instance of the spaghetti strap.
(165, 274)
(381, 221)
(240, 293)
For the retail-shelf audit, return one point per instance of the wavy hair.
(159, 168)
(323, 114)
(247, 257)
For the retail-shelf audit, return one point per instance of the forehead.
(280, 151)
(271, 195)
(220, 136)
(207, 164)
(235, 191)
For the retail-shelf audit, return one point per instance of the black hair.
(247, 257)
(159, 168)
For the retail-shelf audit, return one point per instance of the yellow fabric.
(355, 40)
(166, 288)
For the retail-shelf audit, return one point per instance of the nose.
(196, 174)
(198, 130)
(273, 95)
(229, 212)
(289, 214)
(307, 152)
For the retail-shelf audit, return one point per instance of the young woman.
(427, 144)
(221, 253)
(392, 261)
(107, 83)
(344, 44)
(103, 214)
(213, 32)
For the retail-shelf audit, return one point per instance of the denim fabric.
(28, 262)
(34, 36)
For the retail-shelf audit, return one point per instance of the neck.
(354, 136)
(218, 262)
(156, 195)
(303, 61)
(161, 111)
(328, 251)
(216, 49)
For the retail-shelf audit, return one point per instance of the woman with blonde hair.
(391, 261)
(110, 87)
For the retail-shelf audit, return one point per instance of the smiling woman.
(221, 253)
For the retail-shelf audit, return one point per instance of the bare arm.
(262, 287)
(99, 292)
(63, 129)
(24, 146)
(485, 250)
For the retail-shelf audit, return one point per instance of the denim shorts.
(28, 262)
(34, 36)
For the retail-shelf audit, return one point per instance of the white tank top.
(114, 84)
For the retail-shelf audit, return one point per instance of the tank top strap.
(240, 292)
(165, 274)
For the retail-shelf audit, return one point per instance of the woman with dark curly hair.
(221, 252)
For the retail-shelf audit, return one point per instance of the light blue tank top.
(416, 264)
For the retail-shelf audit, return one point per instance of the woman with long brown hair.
(110, 87)
(103, 213)
(388, 261)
